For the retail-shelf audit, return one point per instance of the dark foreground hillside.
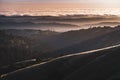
(20, 45)
(102, 64)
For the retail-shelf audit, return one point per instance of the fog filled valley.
(60, 23)
(65, 47)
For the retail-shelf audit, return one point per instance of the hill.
(20, 45)
(84, 40)
(53, 44)
(101, 64)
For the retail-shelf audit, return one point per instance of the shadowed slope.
(104, 67)
(92, 65)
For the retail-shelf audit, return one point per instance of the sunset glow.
(62, 7)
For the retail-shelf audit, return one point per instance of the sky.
(97, 3)
(67, 1)
(27, 5)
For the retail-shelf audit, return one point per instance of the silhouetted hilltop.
(52, 44)
(21, 45)
(84, 40)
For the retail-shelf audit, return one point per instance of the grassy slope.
(97, 65)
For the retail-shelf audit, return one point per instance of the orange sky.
(35, 5)
(29, 6)
(42, 5)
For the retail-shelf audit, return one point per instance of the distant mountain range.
(64, 22)
(31, 24)
(103, 24)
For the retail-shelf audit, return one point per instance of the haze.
(47, 7)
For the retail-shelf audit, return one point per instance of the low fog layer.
(58, 23)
